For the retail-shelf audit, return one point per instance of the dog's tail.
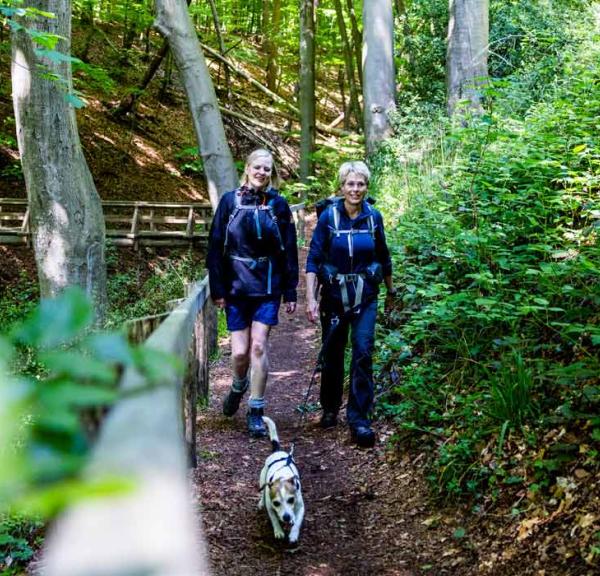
(272, 433)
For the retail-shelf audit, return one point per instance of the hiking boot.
(362, 436)
(256, 426)
(231, 402)
(328, 420)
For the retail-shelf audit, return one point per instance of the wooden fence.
(127, 223)
(132, 223)
(151, 529)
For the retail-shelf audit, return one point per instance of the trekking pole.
(335, 322)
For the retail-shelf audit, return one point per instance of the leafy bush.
(497, 257)
(130, 297)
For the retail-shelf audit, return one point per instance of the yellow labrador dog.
(280, 492)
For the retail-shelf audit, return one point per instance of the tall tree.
(356, 38)
(307, 88)
(378, 71)
(271, 44)
(174, 23)
(217, 23)
(467, 55)
(348, 61)
(67, 224)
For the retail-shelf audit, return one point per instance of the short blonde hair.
(353, 167)
(260, 153)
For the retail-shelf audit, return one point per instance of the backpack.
(266, 230)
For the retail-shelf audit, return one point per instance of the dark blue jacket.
(325, 247)
(249, 265)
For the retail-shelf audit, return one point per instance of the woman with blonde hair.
(253, 264)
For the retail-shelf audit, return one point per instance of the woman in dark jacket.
(349, 258)
(252, 263)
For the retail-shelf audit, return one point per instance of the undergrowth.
(493, 345)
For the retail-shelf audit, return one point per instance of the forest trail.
(367, 511)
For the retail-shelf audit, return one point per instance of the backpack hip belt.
(359, 283)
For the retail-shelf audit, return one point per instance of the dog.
(280, 492)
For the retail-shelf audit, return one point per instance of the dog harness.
(285, 462)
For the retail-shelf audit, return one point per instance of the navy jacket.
(325, 247)
(230, 277)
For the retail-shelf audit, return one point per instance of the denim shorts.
(241, 313)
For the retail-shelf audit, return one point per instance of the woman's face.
(259, 172)
(354, 189)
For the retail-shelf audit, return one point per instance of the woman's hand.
(220, 303)
(312, 310)
(290, 307)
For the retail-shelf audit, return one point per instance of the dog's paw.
(279, 533)
(294, 535)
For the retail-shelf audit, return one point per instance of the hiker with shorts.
(348, 259)
(252, 263)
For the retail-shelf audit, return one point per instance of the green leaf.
(74, 100)
(81, 396)
(110, 347)
(459, 533)
(56, 321)
(75, 365)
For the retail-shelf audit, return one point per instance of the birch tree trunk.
(466, 60)
(67, 224)
(174, 23)
(378, 71)
(307, 87)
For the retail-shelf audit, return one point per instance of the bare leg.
(240, 352)
(259, 358)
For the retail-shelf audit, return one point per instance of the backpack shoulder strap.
(334, 218)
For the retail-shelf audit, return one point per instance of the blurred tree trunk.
(67, 224)
(174, 23)
(466, 59)
(307, 88)
(378, 71)
(349, 62)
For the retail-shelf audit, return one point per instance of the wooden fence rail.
(131, 223)
(152, 528)
(127, 223)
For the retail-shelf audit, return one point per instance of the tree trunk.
(378, 71)
(271, 45)
(356, 39)
(307, 88)
(173, 21)
(217, 24)
(466, 60)
(67, 224)
(349, 62)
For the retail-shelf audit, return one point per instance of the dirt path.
(366, 510)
